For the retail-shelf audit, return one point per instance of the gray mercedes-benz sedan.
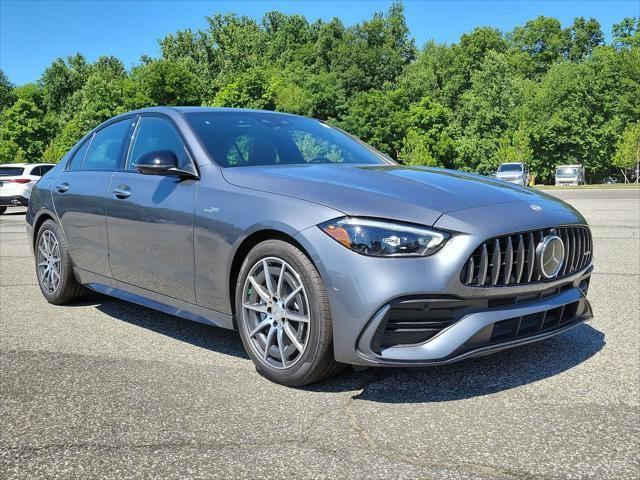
(320, 250)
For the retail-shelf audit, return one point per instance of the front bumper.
(480, 332)
(515, 181)
(362, 289)
(13, 201)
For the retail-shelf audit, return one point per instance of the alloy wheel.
(275, 309)
(48, 258)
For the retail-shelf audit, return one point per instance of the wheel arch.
(243, 250)
(40, 219)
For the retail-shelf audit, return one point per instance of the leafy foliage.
(627, 155)
(542, 93)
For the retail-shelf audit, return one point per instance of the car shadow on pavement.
(466, 379)
(475, 377)
(204, 336)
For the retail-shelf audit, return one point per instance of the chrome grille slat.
(508, 261)
(531, 257)
(512, 260)
(580, 250)
(565, 241)
(538, 272)
(520, 258)
(573, 249)
(484, 260)
(470, 268)
(496, 260)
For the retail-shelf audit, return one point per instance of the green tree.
(543, 40)
(165, 82)
(251, 89)
(487, 112)
(514, 148)
(584, 35)
(62, 79)
(626, 34)
(7, 95)
(380, 117)
(428, 140)
(627, 155)
(24, 127)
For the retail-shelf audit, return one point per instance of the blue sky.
(34, 33)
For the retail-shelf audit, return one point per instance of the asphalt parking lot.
(112, 390)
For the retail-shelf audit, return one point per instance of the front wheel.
(283, 315)
(2, 210)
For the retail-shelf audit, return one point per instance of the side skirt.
(149, 299)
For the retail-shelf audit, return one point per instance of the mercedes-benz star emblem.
(550, 253)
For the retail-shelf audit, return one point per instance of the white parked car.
(16, 182)
(517, 173)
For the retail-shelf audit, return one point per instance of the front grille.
(511, 259)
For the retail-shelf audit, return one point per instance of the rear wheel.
(283, 315)
(2, 210)
(54, 267)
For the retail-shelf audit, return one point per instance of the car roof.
(24, 164)
(186, 109)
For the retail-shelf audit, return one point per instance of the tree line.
(542, 94)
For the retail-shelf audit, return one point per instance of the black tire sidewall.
(313, 355)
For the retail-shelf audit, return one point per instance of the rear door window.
(106, 148)
(78, 157)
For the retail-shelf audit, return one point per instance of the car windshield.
(236, 139)
(510, 167)
(566, 172)
(11, 171)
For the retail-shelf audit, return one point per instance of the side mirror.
(160, 162)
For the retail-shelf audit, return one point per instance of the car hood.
(413, 194)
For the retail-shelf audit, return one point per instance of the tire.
(283, 321)
(50, 242)
(2, 210)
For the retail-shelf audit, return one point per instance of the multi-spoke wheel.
(276, 309)
(48, 256)
(283, 315)
(53, 265)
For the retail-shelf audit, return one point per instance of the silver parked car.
(320, 250)
(517, 173)
(16, 182)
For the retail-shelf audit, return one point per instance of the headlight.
(380, 238)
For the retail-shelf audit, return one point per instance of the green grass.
(583, 187)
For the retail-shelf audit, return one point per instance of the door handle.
(63, 187)
(122, 192)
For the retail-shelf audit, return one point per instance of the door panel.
(79, 195)
(79, 200)
(150, 226)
